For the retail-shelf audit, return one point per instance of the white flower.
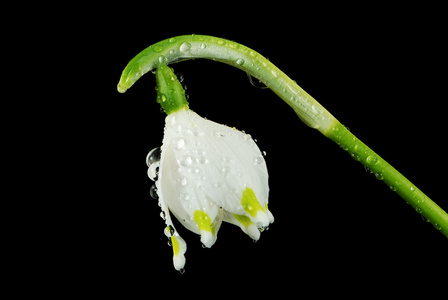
(208, 173)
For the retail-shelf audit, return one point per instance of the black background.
(381, 71)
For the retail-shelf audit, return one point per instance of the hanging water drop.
(355, 156)
(260, 84)
(171, 230)
(153, 192)
(153, 156)
(153, 171)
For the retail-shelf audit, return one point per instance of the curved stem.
(200, 46)
(307, 108)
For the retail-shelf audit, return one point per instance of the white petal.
(177, 242)
(246, 225)
(206, 166)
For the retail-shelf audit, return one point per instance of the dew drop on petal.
(179, 143)
(186, 161)
(258, 160)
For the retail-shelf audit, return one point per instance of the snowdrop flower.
(206, 173)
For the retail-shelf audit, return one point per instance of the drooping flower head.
(205, 173)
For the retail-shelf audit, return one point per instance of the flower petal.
(244, 222)
(177, 242)
(210, 172)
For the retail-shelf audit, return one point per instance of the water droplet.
(182, 271)
(412, 189)
(372, 160)
(186, 160)
(240, 61)
(161, 98)
(225, 171)
(379, 176)
(158, 48)
(344, 147)
(153, 171)
(172, 40)
(355, 156)
(153, 156)
(393, 188)
(258, 85)
(171, 230)
(179, 143)
(185, 47)
(183, 181)
(162, 59)
(153, 192)
(264, 153)
(258, 160)
(162, 215)
(203, 46)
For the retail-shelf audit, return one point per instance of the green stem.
(391, 177)
(307, 108)
(185, 47)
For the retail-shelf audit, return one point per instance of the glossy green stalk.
(307, 108)
(391, 177)
(200, 46)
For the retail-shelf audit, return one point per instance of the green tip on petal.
(170, 93)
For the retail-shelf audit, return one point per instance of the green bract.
(170, 93)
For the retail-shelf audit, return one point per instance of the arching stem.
(307, 108)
